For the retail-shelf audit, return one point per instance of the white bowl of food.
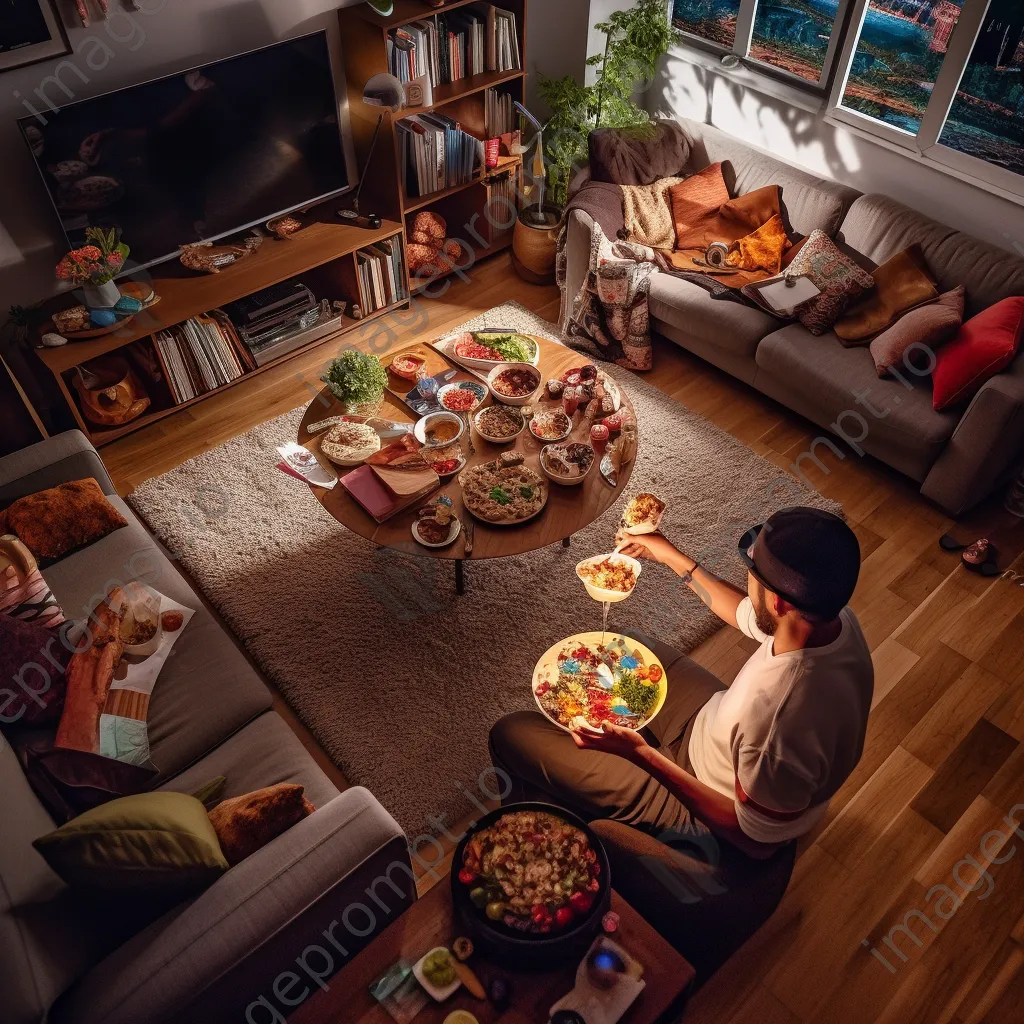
(439, 429)
(499, 424)
(141, 628)
(514, 383)
(567, 464)
(642, 514)
(550, 425)
(609, 578)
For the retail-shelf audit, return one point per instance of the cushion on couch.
(245, 824)
(63, 518)
(33, 663)
(148, 847)
(926, 328)
(985, 345)
(638, 156)
(901, 283)
(839, 279)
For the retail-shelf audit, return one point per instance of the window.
(942, 78)
(796, 38)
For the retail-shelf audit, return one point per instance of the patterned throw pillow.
(24, 593)
(837, 276)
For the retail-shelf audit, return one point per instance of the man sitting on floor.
(734, 775)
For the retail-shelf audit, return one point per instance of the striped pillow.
(29, 599)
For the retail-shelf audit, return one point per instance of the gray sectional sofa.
(959, 456)
(69, 962)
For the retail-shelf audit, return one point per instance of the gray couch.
(282, 910)
(958, 456)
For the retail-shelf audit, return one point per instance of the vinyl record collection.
(449, 47)
(380, 274)
(200, 355)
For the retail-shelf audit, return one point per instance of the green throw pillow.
(160, 843)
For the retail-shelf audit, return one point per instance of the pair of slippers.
(979, 557)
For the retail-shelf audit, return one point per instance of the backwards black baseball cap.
(808, 557)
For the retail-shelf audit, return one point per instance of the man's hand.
(650, 545)
(613, 739)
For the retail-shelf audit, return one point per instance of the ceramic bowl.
(549, 440)
(566, 481)
(432, 421)
(490, 437)
(466, 385)
(508, 399)
(437, 994)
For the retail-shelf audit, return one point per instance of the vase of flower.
(101, 296)
(95, 265)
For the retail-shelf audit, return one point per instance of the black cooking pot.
(526, 949)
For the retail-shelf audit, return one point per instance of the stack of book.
(436, 154)
(380, 274)
(450, 47)
(200, 355)
(499, 113)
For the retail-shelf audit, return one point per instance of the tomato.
(564, 917)
(540, 914)
(467, 877)
(581, 902)
(655, 673)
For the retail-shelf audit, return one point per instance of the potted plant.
(357, 380)
(95, 266)
(635, 42)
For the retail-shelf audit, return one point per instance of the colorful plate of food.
(514, 383)
(597, 677)
(447, 460)
(499, 424)
(550, 425)
(567, 464)
(462, 396)
(436, 526)
(611, 578)
(642, 514)
(531, 878)
(484, 349)
(504, 492)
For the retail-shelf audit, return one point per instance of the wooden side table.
(429, 923)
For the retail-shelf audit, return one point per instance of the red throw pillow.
(985, 346)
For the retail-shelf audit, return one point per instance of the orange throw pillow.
(902, 282)
(245, 824)
(55, 522)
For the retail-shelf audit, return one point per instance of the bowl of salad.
(530, 883)
(483, 350)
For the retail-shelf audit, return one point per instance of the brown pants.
(703, 894)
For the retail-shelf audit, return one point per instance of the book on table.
(391, 480)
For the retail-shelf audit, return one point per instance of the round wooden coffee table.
(568, 509)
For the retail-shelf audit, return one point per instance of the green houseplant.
(635, 42)
(357, 380)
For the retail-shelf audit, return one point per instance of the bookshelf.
(364, 35)
(322, 255)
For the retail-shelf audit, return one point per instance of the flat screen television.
(197, 155)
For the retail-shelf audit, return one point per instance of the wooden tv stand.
(322, 255)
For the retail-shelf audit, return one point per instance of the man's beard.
(764, 621)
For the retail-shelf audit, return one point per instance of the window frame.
(745, 22)
(926, 144)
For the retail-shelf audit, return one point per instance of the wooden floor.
(944, 760)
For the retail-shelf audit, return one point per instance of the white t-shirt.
(788, 732)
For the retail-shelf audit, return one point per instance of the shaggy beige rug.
(397, 677)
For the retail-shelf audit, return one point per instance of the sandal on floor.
(980, 557)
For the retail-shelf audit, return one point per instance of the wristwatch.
(687, 577)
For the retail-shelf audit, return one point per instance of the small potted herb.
(357, 380)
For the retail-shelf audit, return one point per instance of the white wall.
(802, 137)
(165, 36)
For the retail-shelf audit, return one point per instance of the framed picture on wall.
(30, 31)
